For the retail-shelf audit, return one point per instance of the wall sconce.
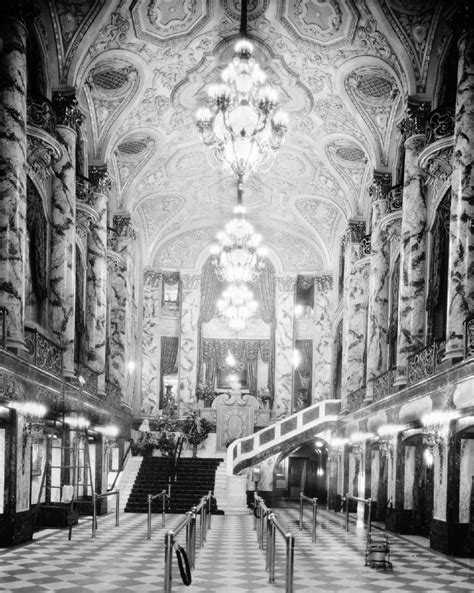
(387, 433)
(109, 434)
(131, 365)
(77, 422)
(436, 427)
(357, 441)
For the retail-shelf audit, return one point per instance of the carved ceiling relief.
(155, 212)
(415, 23)
(376, 96)
(71, 22)
(109, 88)
(350, 162)
(131, 154)
(319, 215)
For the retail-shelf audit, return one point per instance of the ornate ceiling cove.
(130, 156)
(71, 21)
(109, 88)
(321, 216)
(329, 23)
(415, 22)
(181, 252)
(295, 254)
(376, 96)
(154, 212)
(158, 21)
(351, 162)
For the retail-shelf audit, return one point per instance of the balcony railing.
(383, 384)
(113, 393)
(43, 352)
(90, 378)
(425, 362)
(469, 337)
(3, 327)
(355, 400)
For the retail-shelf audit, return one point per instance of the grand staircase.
(194, 479)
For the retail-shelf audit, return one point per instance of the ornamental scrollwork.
(67, 110)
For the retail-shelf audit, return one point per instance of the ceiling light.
(242, 126)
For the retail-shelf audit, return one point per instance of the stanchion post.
(209, 509)
(315, 516)
(255, 506)
(271, 576)
(369, 515)
(168, 560)
(117, 509)
(94, 514)
(301, 511)
(269, 546)
(202, 523)
(163, 509)
(290, 558)
(193, 535)
(347, 511)
(148, 532)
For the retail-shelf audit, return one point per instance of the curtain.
(37, 232)
(265, 293)
(211, 289)
(169, 360)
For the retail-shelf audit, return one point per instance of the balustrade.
(383, 384)
(43, 352)
(90, 378)
(425, 362)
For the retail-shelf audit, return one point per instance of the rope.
(183, 565)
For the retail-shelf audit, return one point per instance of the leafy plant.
(196, 429)
(205, 392)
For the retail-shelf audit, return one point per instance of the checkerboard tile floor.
(121, 559)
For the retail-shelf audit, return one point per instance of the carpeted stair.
(195, 478)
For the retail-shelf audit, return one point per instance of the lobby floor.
(121, 559)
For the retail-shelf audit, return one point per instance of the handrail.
(95, 498)
(367, 501)
(125, 457)
(314, 502)
(272, 527)
(163, 514)
(260, 512)
(188, 521)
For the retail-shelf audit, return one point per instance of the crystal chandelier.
(237, 306)
(238, 258)
(243, 127)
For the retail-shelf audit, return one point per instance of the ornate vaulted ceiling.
(343, 70)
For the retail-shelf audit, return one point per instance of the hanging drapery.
(211, 290)
(169, 360)
(264, 291)
(37, 231)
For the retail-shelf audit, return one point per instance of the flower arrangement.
(205, 392)
(196, 429)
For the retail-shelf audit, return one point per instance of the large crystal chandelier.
(238, 258)
(242, 127)
(237, 306)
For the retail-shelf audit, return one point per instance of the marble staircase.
(127, 479)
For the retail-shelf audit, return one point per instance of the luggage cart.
(377, 554)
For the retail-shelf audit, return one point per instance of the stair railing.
(95, 498)
(151, 498)
(173, 470)
(122, 465)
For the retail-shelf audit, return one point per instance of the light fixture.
(238, 258)
(237, 306)
(33, 412)
(242, 127)
(77, 422)
(436, 426)
(230, 360)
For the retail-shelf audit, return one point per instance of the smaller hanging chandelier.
(238, 258)
(237, 306)
(242, 128)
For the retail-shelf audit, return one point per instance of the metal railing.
(272, 527)
(262, 513)
(95, 498)
(425, 362)
(188, 522)
(365, 501)
(122, 465)
(43, 352)
(151, 498)
(314, 503)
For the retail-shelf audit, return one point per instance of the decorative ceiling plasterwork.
(155, 59)
(330, 23)
(71, 21)
(415, 22)
(376, 97)
(110, 87)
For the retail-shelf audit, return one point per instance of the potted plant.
(196, 429)
(146, 443)
(205, 392)
(166, 427)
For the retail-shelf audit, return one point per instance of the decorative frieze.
(285, 283)
(191, 281)
(152, 278)
(323, 283)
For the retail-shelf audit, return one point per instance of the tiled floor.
(121, 559)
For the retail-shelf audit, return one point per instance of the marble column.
(151, 346)
(355, 295)
(322, 338)
(379, 281)
(13, 146)
(96, 289)
(189, 346)
(461, 248)
(284, 344)
(63, 232)
(411, 302)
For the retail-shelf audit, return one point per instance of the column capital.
(123, 226)
(100, 178)
(380, 184)
(285, 283)
(67, 109)
(323, 282)
(355, 232)
(190, 281)
(152, 278)
(414, 122)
